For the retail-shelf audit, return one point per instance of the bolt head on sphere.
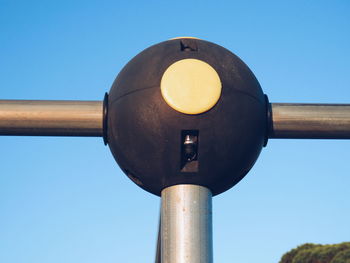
(186, 111)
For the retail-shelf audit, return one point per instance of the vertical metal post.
(186, 225)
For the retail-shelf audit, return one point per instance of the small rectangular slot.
(189, 151)
(188, 45)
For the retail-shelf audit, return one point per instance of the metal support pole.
(310, 121)
(51, 118)
(186, 225)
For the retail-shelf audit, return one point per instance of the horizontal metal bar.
(310, 121)
(85, 118)
(51, 118)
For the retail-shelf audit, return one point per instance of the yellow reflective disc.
(191, 86)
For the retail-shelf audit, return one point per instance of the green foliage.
(289, 256)
(314, 253)
(342, 257)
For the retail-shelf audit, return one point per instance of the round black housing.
(157, 146)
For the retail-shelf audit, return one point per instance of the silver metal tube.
(51, 118)
(186, 225)
(310, 121)
(158, 252)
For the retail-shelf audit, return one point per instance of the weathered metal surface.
(51, 118)
(310, 121)
(186, 225)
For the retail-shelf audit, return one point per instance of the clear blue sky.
(65, 199)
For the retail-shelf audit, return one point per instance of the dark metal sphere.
(157, 146)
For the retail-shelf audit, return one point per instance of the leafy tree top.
(315, 253)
